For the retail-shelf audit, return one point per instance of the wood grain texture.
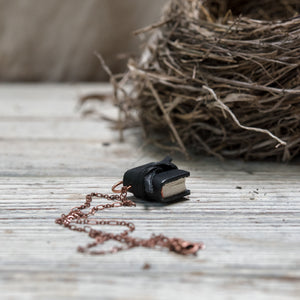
(247, 214)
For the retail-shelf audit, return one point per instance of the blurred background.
(55, 40)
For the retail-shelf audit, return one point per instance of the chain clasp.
(185, 248)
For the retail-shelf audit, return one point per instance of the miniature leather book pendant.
(157, 181)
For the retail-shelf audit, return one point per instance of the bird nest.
(221, 77)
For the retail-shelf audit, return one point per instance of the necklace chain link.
(77, 217)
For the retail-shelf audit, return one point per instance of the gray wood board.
(51, 157)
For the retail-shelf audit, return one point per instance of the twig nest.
(223, 77)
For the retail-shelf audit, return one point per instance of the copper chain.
(76, 217)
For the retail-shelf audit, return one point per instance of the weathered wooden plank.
(250, 243)
(42, 132)
(40, 101)
(75, 157)
(51, 157)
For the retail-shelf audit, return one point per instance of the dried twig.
(246, 58)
